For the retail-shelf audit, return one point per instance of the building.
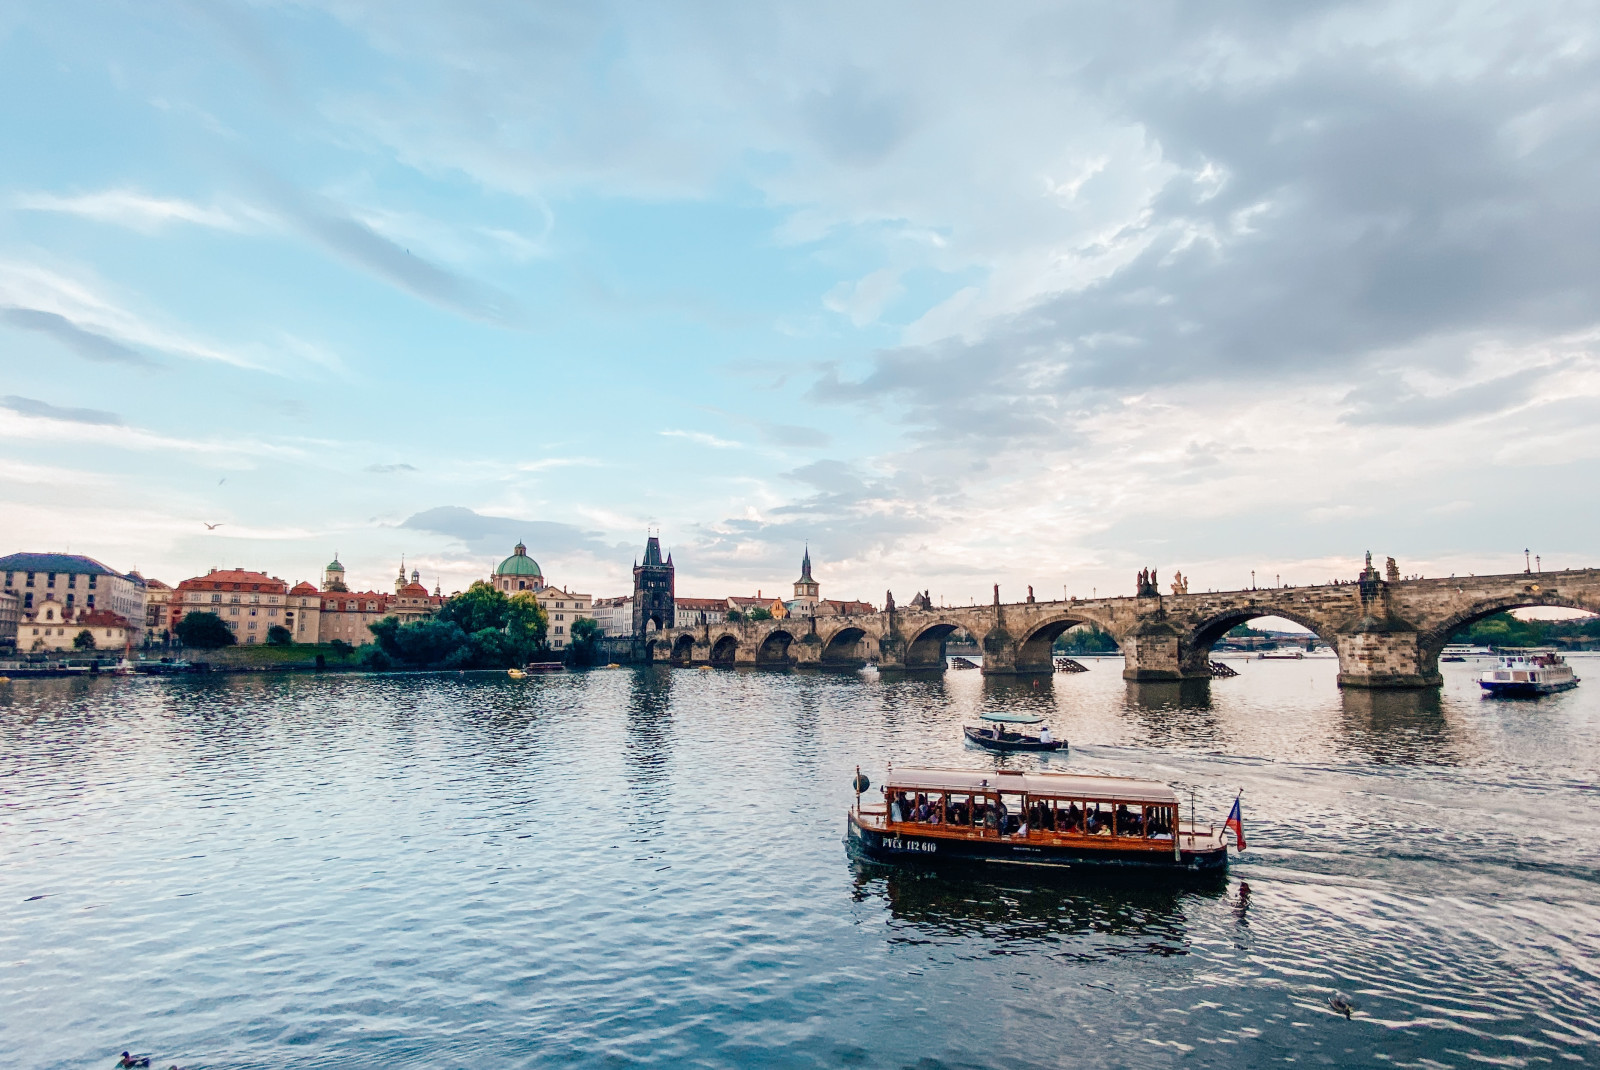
(412, 602)
(806, 590)
(76, 582)
(249, 603)
(654, 589)
(10, 617)
(563, 607)
(519, 572)
(742, 605)
(614, 615)
(693, 611)
(302, 613)
(52, 625)
(158, 601)
(345, 615)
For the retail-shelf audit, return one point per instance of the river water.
(647, 867)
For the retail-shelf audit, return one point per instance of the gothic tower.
(653, 590)
(806, 588)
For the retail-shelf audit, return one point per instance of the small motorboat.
(1001, 733)
(516, 674)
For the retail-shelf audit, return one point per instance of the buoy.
(862, 783)
(705, 668)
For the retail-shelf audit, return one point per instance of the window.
(252, 613)
(233, 611)
(30, 579)
(72, 579)
(234, 599)
(70, 598)
(91, 601)
(252, 625)
(216, 598)
(27, 600)
(271, 612)
(11, 577)
(50, 579)
(91, 581)
(558, 629)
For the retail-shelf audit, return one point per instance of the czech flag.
(1236, 823)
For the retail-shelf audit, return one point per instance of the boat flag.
(1236, 823)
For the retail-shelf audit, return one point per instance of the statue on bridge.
(1147, 584)
(923, 601)
(1180, 583)
(1391, 571)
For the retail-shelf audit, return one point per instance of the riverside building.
(74, 582)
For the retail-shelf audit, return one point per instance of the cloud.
(128, 208)
(43, 409)
(795, 436)
(497, 534)
(862, 302)
(353, 241)
(86, 343)
(389, 469)
(705, 439)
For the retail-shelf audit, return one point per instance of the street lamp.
(1525, 566)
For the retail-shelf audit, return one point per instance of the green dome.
(519, 564)
(334, 567)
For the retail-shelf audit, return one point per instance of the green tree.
(1086, 639)
(760, 613)
(204, 631)
(278, 635)
(585, 647)
(478, 607)
(422, 643)
(527, 624)
(84, 640)
(734, 616)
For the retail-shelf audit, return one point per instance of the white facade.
(614, 615)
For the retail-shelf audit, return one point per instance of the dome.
(334, 567)
(519, 564)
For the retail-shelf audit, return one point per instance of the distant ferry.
(1050, 820)
(1532, 672)
(1463, 651)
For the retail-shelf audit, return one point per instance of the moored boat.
(997, 737)
(1528, 673)
(1047, 820)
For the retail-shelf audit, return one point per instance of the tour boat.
(1463, 651)
(996, 737)
(1531, 672)
(1048, 820)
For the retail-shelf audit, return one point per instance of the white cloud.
(705, 439)
(130, 208)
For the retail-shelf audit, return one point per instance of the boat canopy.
(1012, 718)
(1062, 785)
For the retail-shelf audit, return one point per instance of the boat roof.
(1067, 785)
(1005, 717)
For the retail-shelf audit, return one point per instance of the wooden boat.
(516, 674)
(544, 666)
(1049, 820)
(997, 737)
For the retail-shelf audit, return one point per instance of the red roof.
(156, 585)
(234, 579)
(414, 590)
(707, 604)
(102, 618)
(303, 588)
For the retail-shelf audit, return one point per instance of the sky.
(953, 294)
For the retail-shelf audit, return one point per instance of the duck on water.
(1051, 820)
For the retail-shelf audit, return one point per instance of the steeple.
(806, 588)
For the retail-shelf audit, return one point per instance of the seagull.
(221, 481)
(212, 527)
(1341, 1003)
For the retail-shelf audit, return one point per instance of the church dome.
(519, 564)
(334, 566)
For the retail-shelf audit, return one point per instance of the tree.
(734, 616)
(585, 647)
(278, 635)
(1086, 639)
(478, 607)
(527, 624)
(84, 640)
(760, 613)
(340, 647)
(204, 631)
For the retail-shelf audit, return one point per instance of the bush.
(204, 631)
(84, 640)
(278, 635)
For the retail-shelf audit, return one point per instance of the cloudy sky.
(961, 294)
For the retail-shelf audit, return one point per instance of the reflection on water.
(1085, 919)
(647, 866)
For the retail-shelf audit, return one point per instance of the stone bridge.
(1388, 634)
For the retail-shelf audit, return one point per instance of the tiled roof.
(739, 600)
(303, 588)
(54, 563)
(156, 585)
(102, 618)
(414, 590)
(706, 604)
(229, 579)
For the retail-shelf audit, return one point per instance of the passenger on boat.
(898, 808)
(960, 813)
(1044, 735)
(1074, 818)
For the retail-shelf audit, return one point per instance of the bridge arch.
(655, 650)
(683, 649)
(725, 650)
(1433, 640)
(1196, 645)
(925, 649)
(1035, 648)
(774, 649)
(843, 647)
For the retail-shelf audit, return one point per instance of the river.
(646, 867)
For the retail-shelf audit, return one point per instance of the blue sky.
(1033, 296)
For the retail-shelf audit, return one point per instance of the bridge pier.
(1152, 650)
(1385, 652)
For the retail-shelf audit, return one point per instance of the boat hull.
(1023, 743)
(1519, 689)
(896, 848)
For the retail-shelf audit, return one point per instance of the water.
(646, 867)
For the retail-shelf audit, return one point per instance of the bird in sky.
(221, 481)
(212, 527)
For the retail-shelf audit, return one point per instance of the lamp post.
(1526, 567)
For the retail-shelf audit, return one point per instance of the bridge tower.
(654, 589)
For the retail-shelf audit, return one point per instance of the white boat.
(1463, 651)
(1528, 672)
